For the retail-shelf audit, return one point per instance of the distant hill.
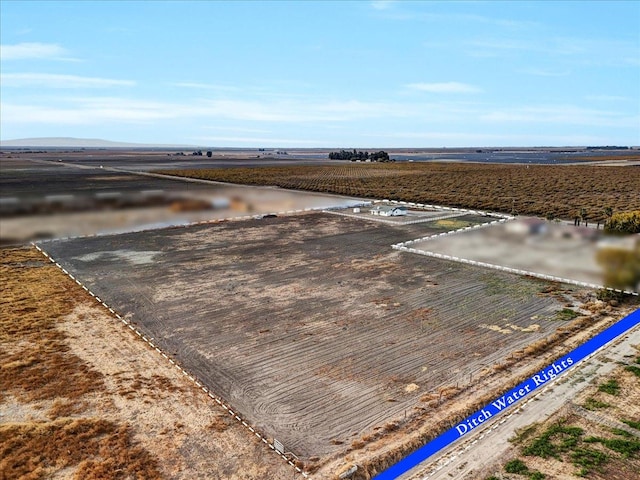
(67, 142)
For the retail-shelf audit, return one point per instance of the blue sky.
(323, 74)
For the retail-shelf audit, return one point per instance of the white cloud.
(19, 51)
(382, 4)
(607, 98)
(562, 114)
(466, 139)
(205, 86)
(237, 129)
(262, 141)
(87, 111)
(541, 72)
(298, 110)
(585, 51)
(91, 110)
(50, 80)
(445, 87)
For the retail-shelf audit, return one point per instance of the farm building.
(389, 211)
(527, 226)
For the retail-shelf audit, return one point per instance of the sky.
(322, 74)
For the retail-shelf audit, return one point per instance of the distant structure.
(528, 226)
(389, 211)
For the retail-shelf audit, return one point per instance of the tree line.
(356, 155)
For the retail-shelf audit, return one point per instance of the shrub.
(566, 314)
(588, 458)
(516, 466)
(624, 223)
(555, 440)
(607, 295)
(626, 447)
(622, 433)
(633, 369)
(611, 387)
(632, 423)
(593, 404)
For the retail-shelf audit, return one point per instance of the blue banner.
(511, 397)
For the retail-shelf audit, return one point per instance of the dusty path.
(486, 446)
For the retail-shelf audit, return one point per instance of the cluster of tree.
(198, 153)
(623, 223)
(356, 155)
(608, 147)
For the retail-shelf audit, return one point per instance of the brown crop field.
(319, 335)
(560, 191)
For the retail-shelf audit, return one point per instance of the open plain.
(308, 325)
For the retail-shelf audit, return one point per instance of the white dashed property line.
(403, 246)
(171, 361)
(377, 218)
(509, 269)
(185, 225)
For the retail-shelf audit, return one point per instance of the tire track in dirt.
(192, 378)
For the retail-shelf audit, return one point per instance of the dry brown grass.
(35, 294)
(36, 365)
(220, 424)
(93, 448)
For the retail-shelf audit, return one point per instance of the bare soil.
(318, 333)
(81, 397)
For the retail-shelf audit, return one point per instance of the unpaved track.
(484, 447)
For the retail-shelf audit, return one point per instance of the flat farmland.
(311, 326)
(558, 191)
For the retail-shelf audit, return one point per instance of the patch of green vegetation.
(452, 224)
(606, 295)
(496, 284)
(535, 475)
(554, 441)
(592, 439)
(611, 387)
(593, 404)
(492, 477)
(625, 447)
(622, 433)
(631, 423)
(566, 314)
(516, 466)
(633, 369)
(524, 433)
(562, 441)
